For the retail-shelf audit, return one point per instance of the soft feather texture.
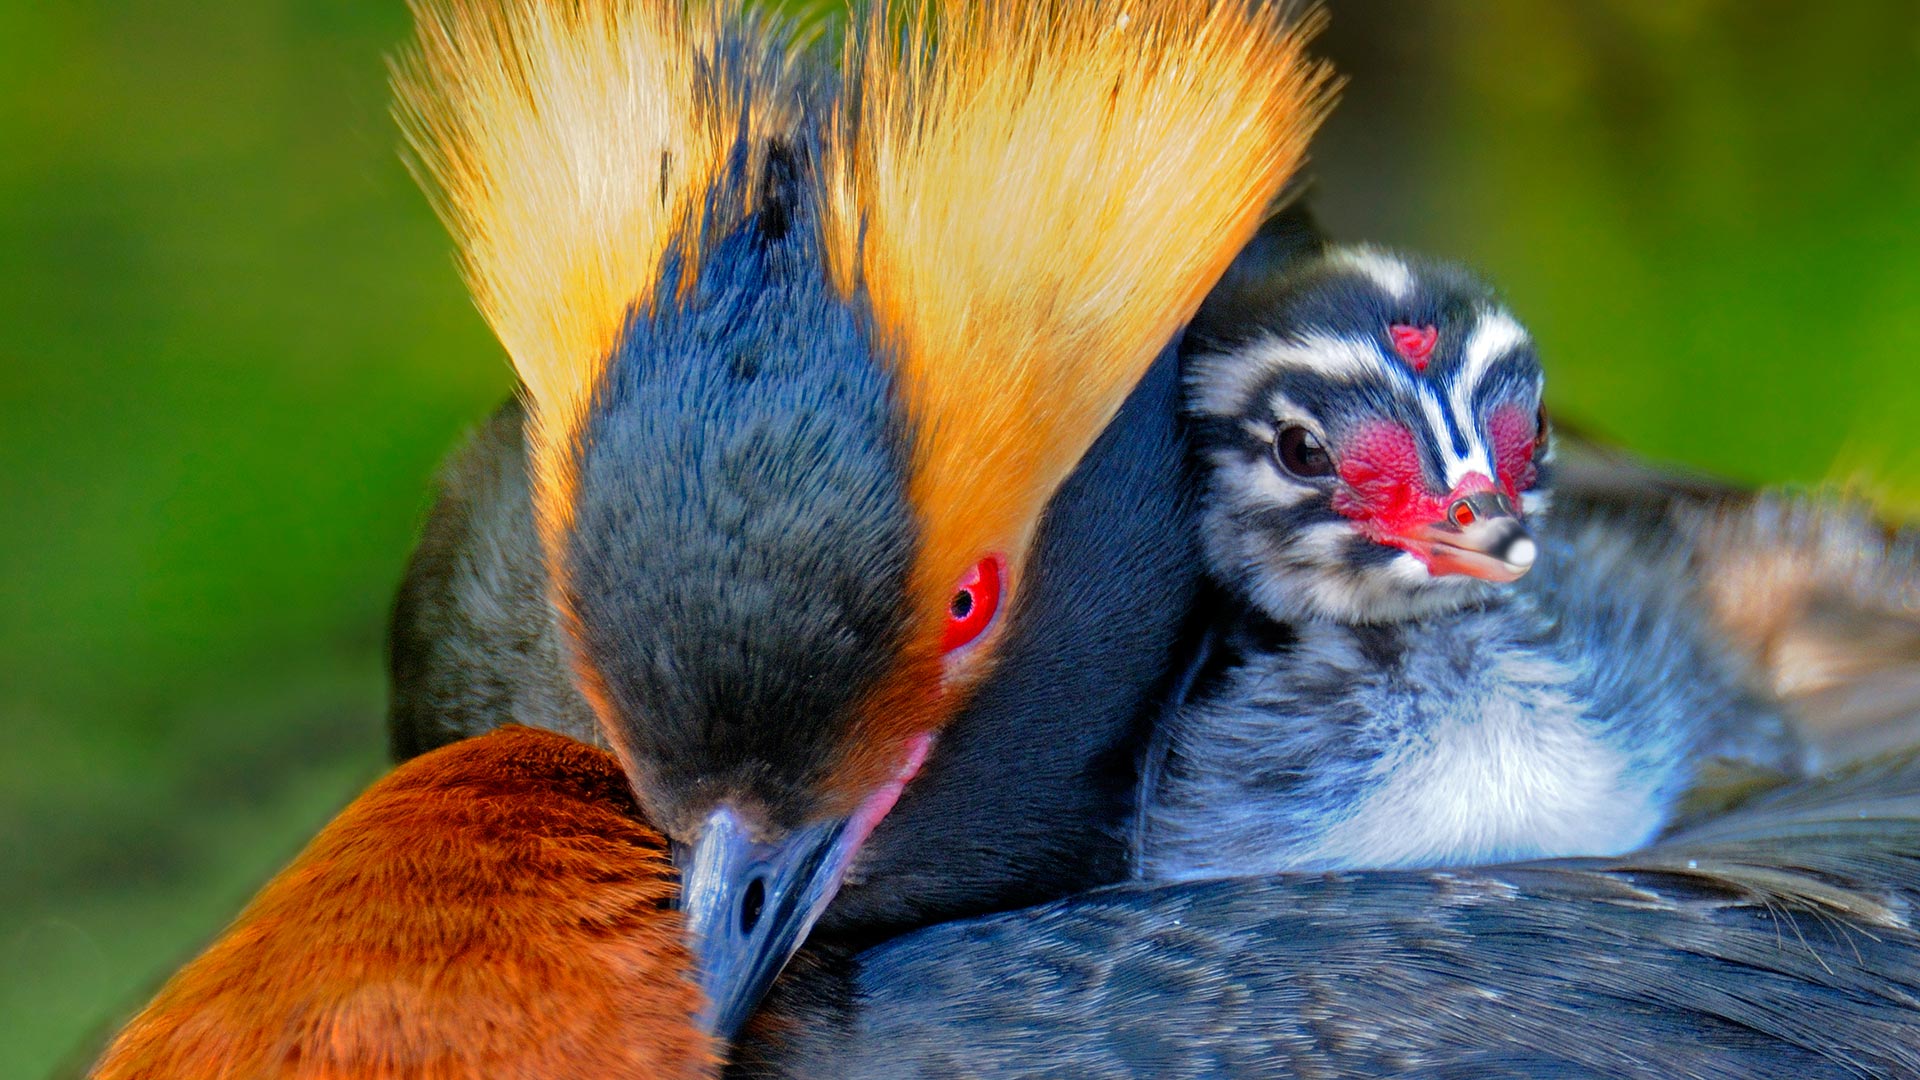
(493, 909)
(1038, 758)
(1035, 197)
(474, 643)
(1364, 710)
(1023, 202)
(568, 146)
(1036, 761)
(1775, 943)
(1816, 589)
(1827, 597)
(1566, 714)
(992, 194)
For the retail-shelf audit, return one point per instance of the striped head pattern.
(1374, 441)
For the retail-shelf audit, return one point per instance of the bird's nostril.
(751, 902)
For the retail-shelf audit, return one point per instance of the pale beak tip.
(1522, 553)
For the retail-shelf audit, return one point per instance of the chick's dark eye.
(1540, 432)
(1300, 452)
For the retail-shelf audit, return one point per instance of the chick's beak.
(749, 905)
(1481, 536)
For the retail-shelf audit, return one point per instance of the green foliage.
(233, 346)
(1710, 211)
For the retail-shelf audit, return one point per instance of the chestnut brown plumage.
(496, 908)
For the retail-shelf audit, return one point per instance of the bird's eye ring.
(975, 601)
(1301, 453)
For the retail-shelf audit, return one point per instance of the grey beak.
(750, 905)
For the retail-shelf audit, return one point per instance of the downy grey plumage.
(1414, 666)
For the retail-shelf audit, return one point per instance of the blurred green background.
(233, 346)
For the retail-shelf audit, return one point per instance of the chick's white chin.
(1395, 591)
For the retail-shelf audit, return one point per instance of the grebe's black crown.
(743, 535)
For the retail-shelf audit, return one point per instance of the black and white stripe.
(1322, 357)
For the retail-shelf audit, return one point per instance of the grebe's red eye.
(975, 601)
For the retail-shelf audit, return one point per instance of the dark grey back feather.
(473, 643)
(1775, 942)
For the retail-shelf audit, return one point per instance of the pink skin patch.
(863, 820)
(880, 803)
(1386, 494)
(1512, 430)
(1414, 343)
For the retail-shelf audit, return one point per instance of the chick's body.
(1413, 667)
(1563, 717)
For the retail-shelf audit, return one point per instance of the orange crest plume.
(1036, 196)
(567, 145)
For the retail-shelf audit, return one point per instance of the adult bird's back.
(1778, 941)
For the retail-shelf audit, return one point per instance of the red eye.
(975, 600)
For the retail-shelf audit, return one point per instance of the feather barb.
(1036, 197)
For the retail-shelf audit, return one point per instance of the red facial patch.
(1386, 494)
(1511, 430)
(1383, 488)
(1414, 343)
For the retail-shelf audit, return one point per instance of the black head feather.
(738, 559)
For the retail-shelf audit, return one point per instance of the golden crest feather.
(567, 144)
(1032, 197)
(1036, 197)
